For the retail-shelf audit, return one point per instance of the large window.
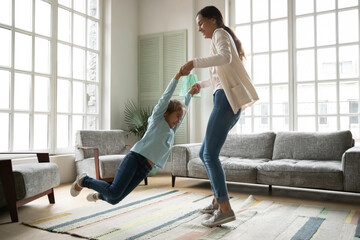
(303, 57)
(49, 73)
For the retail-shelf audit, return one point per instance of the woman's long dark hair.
(212, 12)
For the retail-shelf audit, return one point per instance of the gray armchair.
(99, 153)
(23, 183)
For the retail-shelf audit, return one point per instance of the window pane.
(278, 8)
(79, 30)
(23, 51)
(5, 47)
(242, 11)
(348, 26)
(327, 123)
(78, 97)
(42, 55)
(77, 124)
(4, 132)
(347, 3)
(326, 63)
(78, 63)
(62, 135)
(22, 88)
(279, 67)
(5, 79)
(304, 6)
(280, 102)
(261, 124)
(279, 35)
(326, 29)
(280, 124)
(93, 35)
(66, 3)
(260, 10)
(42, 18)
(79, 5)
(40, 131)
(327, 100)
(306, 124)
(41, 93)
(245, 125)
(349, 94)
(261, 37)
(21, 131)
(64, 60)
(324, 5)
(64, 25)
(63, 96)
(305, 65)
(305, 32)
(92, 123)
(306, 99)
(5, 12)
(351, 123)
(93, 67)
(93, 8)
(260, 108)
(244, 34)
(92, 98)
(23, 14)
(261, 68)
(349, 61)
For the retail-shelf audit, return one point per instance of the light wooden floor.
(41, 208)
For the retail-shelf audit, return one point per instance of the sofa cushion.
(241, 169)
(236, 169)
(108, 165)
(301, 173)
(312, 145)
(257, 145)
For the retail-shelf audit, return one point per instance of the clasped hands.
(184, 71)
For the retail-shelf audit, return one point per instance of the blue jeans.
(221, 120)
(132, 170)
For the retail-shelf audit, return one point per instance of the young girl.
(152, 150)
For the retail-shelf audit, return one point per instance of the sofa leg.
(146, 181)
(173, 180)
(270, 188)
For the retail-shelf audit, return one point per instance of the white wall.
(119, 60)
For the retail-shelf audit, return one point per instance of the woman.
(233, 92)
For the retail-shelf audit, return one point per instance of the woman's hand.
(181, 73)
(187, 67)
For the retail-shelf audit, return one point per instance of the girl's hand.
(194, 89)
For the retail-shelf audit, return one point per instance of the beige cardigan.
(237, 85)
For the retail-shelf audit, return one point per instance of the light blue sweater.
(158, 139)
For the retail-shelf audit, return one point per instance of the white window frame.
(293, 81)
(52, 112)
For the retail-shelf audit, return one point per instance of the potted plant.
(136, 118)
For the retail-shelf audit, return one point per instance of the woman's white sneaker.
(210, 208)
(219, 218)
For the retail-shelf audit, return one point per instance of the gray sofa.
(295, 159)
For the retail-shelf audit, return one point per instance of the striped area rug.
(172, 214)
